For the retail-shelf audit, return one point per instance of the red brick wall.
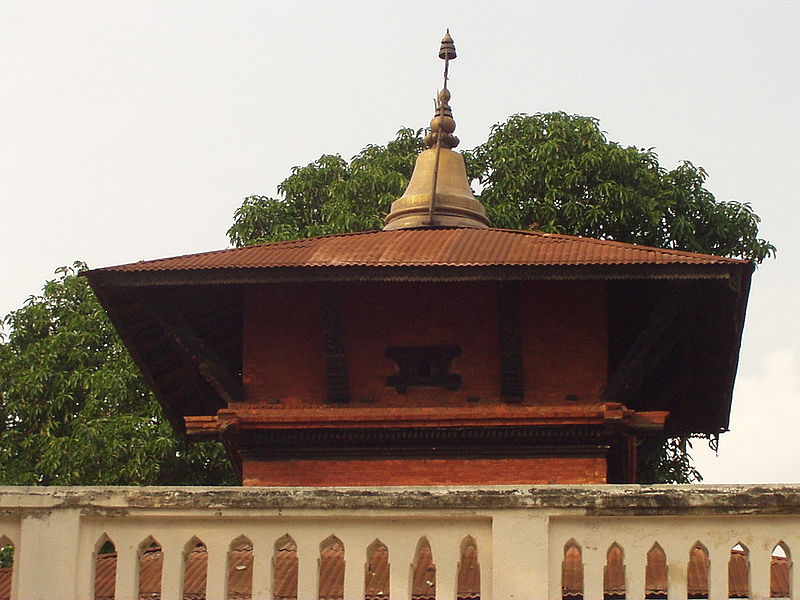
(283, 345)
(564, 338)
(426, 472)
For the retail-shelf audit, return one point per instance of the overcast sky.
(133, 130)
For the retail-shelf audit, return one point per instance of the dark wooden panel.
(336, 373)
(511, 378)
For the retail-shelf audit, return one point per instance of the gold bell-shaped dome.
(454, 205)
(438, 194)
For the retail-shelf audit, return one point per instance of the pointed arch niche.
(614, 573)
(284, 569)
(780, 571)
(376, 573)
(423, 572)
(469, 571)
(655, 573)
(105, 568)
(697, 571)
(240, 568)
(151, 566)
(331, 569)
(195, 568)
(572, 572)
(739, 572)
(7, 572)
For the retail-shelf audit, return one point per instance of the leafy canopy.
(553, 172)
(74, 409)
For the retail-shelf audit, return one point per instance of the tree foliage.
(553, 172)
(331, 195)
(665, 461)
(74, 409)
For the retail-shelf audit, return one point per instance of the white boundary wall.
(520, 534)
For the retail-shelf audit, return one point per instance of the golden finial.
(443, 125)
(447, 50)
(438, 194)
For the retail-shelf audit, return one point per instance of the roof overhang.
(238, 276)
(207, 290)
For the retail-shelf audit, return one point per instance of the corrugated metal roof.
(779, 569)
(285, 571)
(428, 247)
(656, 576)
(331, 571)
(240, 574)
(5, 583)
(377, 580)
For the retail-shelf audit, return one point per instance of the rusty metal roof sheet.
(656, 584)
(429, 247)
(779, 568)
(5, 583)
(240, 574)
(572, 577)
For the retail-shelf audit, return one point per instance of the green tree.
(554, 172)
(74, 409)
(331, 195)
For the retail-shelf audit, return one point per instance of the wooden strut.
(197, 351)
(678, 386)
(511, 371)
(650, 347)
(337, 378)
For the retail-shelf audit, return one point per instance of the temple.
(438, 351)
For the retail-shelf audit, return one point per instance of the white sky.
(132, 130)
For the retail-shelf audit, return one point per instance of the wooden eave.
(609, 414)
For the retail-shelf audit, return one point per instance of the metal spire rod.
(442, 125)
(447, 51)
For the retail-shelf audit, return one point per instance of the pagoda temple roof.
(206, 290)
(455, 253)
